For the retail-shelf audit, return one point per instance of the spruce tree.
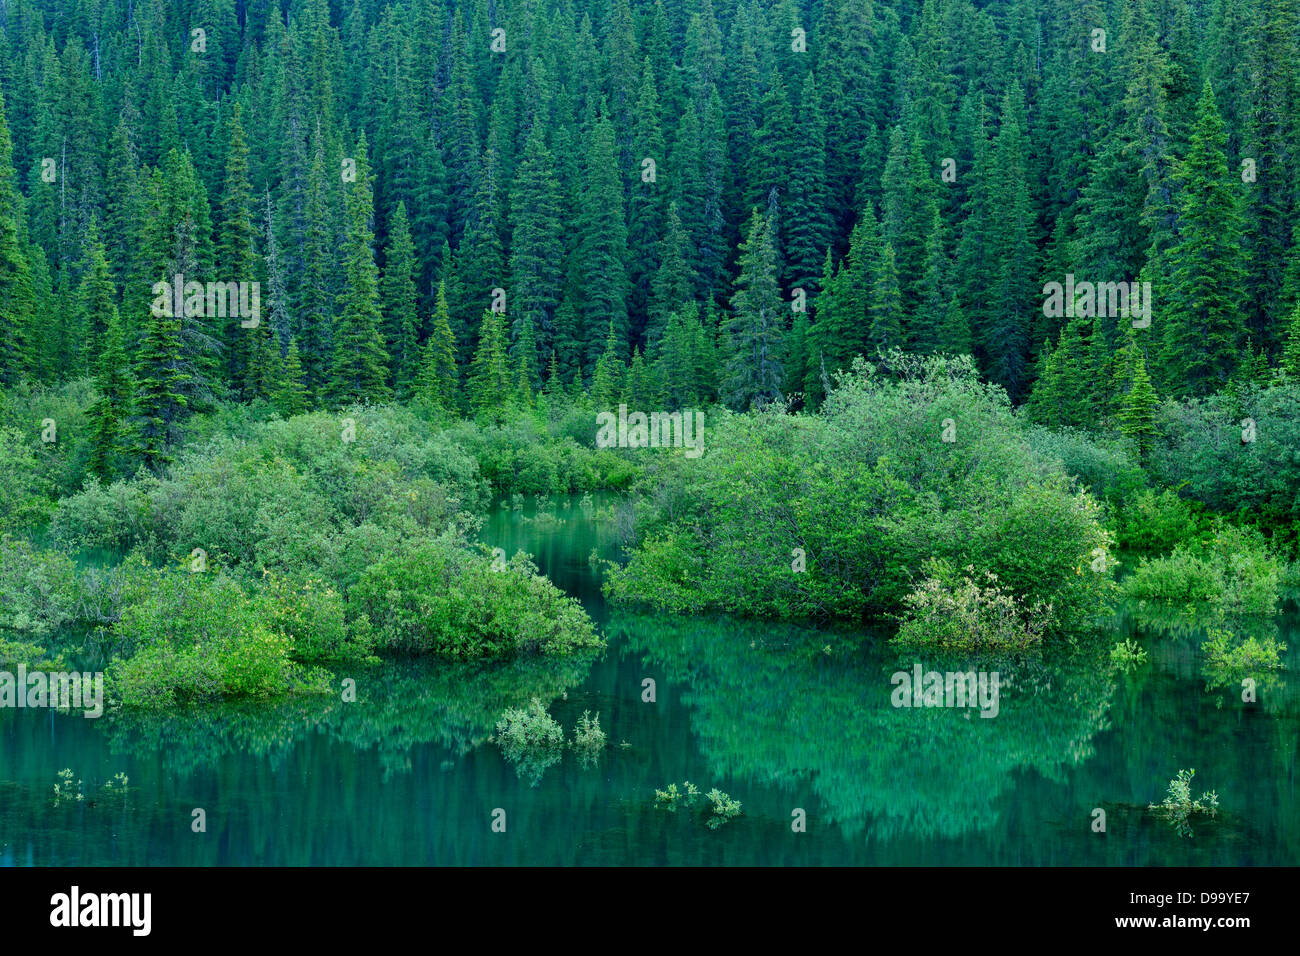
(438, 373)
(756, 327)
(109, 415)
(398, 294)
(360, 370)
(1204, 327)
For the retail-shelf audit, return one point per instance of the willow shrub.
(190, 637)
(297, 496)
(436, 597)
(835, 514)
(1235, 571)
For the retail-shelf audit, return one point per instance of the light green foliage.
(531, 739)
(1235, 571)
(1229, 660)
(588, 738)
(1178, 807)
(1127, 655)
(724, 808)
(952, 609)
(1151, 523)
(672, 798)
(196, 637)
(437, 598)
(1208, 455)
(26, 500)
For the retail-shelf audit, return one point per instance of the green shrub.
(830, 515)
(951, 609)
(437, 598)
(1203, 451)
(1103, 464)
(196, 637)
(1232, 660)
(588, 738)
(724, 808)
(1153, 523)
(1178, 807)
(530, 738)
(672, 798)
(27, 499)
(1234, 571)
(1128, 655)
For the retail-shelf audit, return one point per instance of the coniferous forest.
(377, 375)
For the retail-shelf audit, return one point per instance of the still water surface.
(782, 718)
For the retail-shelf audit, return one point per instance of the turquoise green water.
(781, 718)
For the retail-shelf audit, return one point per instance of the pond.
(795, 723)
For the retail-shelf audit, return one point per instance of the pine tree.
(290, 393)
(1137, 414)
(96, 295)
(607, 378)
(1291, 351)
(536, 253)
(17, 294)
(490, 382)
(161, 380)
(602, 245)
(235, 252)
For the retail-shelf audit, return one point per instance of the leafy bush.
(956, 610)
(1103, 464)
(672, 798)
(1254, 658)
(437, 598)
(523, 457)
(724, 808)
(1205, 450)
(530, 739)
(194, 637)
(284, 495)
(794, 516)
(60, 464)
(588, 738)
(1235, 571)
(28, 489)
(1128, 655)
(1153, 523)
(1179, 807)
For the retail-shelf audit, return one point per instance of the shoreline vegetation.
(275, 554)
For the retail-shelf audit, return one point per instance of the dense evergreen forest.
(671, 202)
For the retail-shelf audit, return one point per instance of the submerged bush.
(196, 637)
(1127, 655)
(437, 598)
(1178, 807)
(831, 515)
(951, 609)
(724, 808)
(1235, 571)
(588, 738)
(530, 738)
